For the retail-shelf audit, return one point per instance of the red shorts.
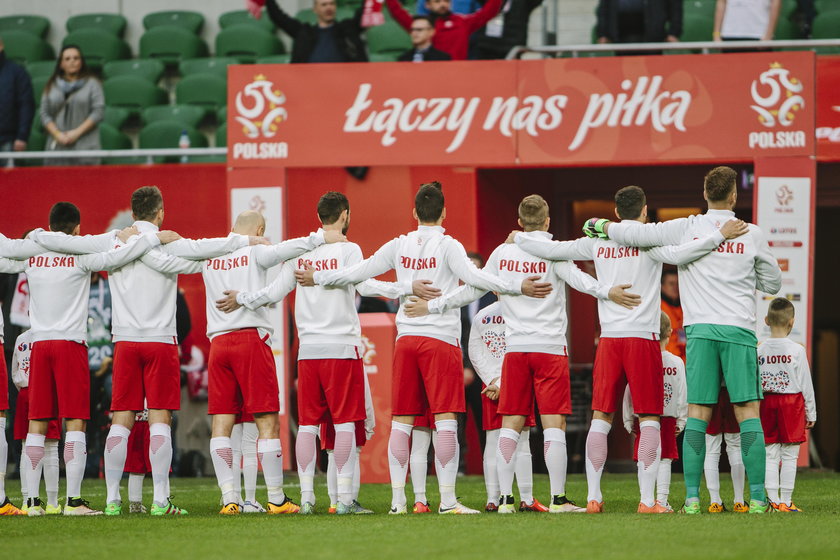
(328, 435)
(331, 388)
(529, 375)
(22, 418)
(4, 386)
(637, 360)
(427, 370)
(59, 380)
(241, 375)
(723, 416)
(490, 417)
(137, 457)
(425, 420)
(783, 418)
(146, 370)
(667, 438)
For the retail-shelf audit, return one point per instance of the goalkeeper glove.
(594, 227)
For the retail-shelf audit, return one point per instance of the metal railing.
(7, 159)
(704, 47)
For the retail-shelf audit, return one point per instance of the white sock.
(236, 446)
(787, 476)
(345, 460)
(555, 459)
(271, 457)
(306, 449)
(491, 475)
(250, 466)
(663, 481)
(421, 439)
(34, 450)
(524, 468)
(75, 457)
(221, 453)
(332, 478)
(135, 487)
(51, 471)
(506, 459)
(116, 450)
(736, 464)
(650, 449)
(357, 474)
(4, 457)
(398, 453)
(773, 452)
(596, 457)
(711, 467)
(21, 466)
(160, 456)
(447, 455)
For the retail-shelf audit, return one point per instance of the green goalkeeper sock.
(754, 455)
(694, 454)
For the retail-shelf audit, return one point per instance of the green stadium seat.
(163, 134)
(385, 56)
(116, 117)
(37, 143)
(171, 45)
(112, 23)
(307, 16)
(36, 25)
(705, 8)
(786, 29)
(275, 59)
(147, 68)
(98, 47)
(221, 115)
(133, 93)
(246, 43)
(204, 90)
(827, 26)
(355, 5)
(388, 37)
(25, 47)
(825, 6)
(190, 115)
(40, 68)
(221, 135)
(38, 84)
(191, 21)
(112, 139)
(209, 65)
(697, 28)
(238, 17)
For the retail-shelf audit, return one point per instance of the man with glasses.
(422, 31)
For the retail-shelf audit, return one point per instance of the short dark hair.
(719, 183)
(476, 256)
(666, 271)
(781, 311)
(64, 217)
(629, 202)
(145, 203)
(429, 202)
(330, 206)
(533, 211)
(427, 19)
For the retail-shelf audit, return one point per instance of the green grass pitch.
(618, 534)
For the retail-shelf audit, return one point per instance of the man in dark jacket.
(17, 106)
(422, 31)
(326, 41)
(639, 21)
(507, 30)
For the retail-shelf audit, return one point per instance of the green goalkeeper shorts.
(716, 353)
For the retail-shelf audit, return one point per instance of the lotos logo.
(258, 108)
(776, 96)
(784, 195)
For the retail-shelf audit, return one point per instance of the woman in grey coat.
(72, 106)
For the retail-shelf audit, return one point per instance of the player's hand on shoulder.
(596, 227)
(416, 307)
(424, 289)
(620, 295)
(168, 236)
(305, 277)
(228, 303)
(125, 234)
(512, 236)
(333, 236)
(734, 228)
(531, 287)
(258, 240)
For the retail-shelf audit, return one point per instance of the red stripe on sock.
(507, 447)
(398, 446)
(596, 449)
(446, 446)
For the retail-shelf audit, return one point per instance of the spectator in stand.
(671, 306)
(463, 7)
(507, 30)
(422, 32)
(639, 21)
(72, 106)
(326, 41)
(746, 20)
(17, 106)
(452, 31)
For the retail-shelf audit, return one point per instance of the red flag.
(372, 14)
(255, 7)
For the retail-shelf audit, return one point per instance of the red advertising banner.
(646, 109)
(828, 108)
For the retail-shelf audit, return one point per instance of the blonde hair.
(533, 211)
(664, 325)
